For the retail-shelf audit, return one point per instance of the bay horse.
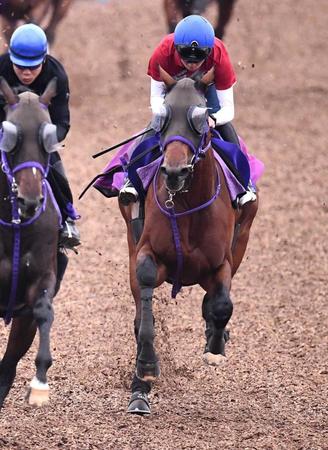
(46, 13)
(177, 9)
(29, 226)
(191, 235)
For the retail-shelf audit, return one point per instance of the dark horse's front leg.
(217, 309)
(147, 366)
(44, 315)
(224, 15)
(147, 362)
(21, 336)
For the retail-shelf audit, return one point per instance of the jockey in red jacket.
(193, 50)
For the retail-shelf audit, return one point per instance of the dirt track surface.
(271, 393)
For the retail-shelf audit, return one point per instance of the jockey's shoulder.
(166, 45)
(55, 68)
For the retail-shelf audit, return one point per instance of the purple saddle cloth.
(115, 171)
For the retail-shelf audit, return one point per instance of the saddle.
(140, 161)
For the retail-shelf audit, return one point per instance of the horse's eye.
(9, 136)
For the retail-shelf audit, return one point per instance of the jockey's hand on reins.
(211, 122)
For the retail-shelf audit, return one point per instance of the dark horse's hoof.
(139, 404)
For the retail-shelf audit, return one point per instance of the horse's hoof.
(214, 360)
(139, 404)
(147, 372)
(37, 397)
(38, 393)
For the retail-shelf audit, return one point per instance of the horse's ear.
(208, 78)
(166, 78)
(50, 92)
(8, 93)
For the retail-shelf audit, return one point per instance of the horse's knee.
(218, 308)
(43, 311)
(146, 272)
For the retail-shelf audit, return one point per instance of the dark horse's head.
(183, 125)
(27, 139)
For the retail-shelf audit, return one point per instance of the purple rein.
(170, 212)
(16, 222)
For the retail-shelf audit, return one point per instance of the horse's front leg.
(8, 27)
(21, 336)
(172, 13)
(147, 368)
(217, 310)
(44, 315)
(224, 15)
(60, 9)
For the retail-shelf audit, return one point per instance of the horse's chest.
(24, 269)
(196, 255)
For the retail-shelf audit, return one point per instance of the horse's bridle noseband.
(16, 223)
(13, 188)
(169, 211)
(198, 153)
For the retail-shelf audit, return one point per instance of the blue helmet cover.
(28, 45)
(194, 29)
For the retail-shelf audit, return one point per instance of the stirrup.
(249, 196)
(69, 236)
(128, 194)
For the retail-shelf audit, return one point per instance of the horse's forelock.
(28, 97)
(186, 88)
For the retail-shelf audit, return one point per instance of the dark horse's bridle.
(16, 223)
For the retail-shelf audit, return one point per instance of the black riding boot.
(229, 134)
(69, 234)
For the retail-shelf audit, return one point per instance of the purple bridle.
(16, 224)
(169, 211)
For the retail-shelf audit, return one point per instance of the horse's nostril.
(163, 170)
(21, 200)
(29, 207)
(184, 171)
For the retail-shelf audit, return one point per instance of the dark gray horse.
(29, 224)
(176, 9)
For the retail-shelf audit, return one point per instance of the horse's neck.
(204, 179)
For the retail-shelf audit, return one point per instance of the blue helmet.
(28, 46)
(194, 38)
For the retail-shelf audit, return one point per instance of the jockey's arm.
(157, 94)
(224, 115)
(227, 110)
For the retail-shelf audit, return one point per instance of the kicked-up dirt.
(271, 393)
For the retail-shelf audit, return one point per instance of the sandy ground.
(272, 391)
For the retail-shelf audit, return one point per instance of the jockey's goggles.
(31, 68)
(193, 54)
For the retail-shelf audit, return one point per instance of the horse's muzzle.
(175, 177)
(27, 208)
